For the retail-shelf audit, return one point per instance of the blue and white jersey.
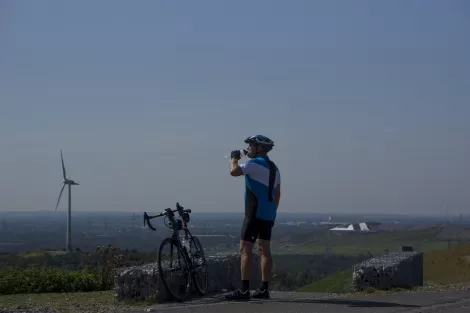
(257, 204)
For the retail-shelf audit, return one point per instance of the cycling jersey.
(257, 202)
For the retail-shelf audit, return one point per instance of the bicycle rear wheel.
(174, 263)
(199, 266)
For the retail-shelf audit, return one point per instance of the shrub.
(103, 263)
(14, 280)
(71, 272)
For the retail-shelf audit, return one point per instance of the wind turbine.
(69, 183)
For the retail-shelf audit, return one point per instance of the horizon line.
(239, 212)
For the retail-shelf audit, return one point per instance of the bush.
(41, 272)
(103, 263)
(14, 280)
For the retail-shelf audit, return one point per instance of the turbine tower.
(69, 183)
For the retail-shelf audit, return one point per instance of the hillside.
(441, 267)
(447, 266)
(336, 283)
(361, 243)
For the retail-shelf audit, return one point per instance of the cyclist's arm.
(242, 169)
(235, 169)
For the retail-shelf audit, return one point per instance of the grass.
(441, 267)
(336, 283)
(448, 266)
(97, 301)
(59, 301)
(32, 254)
(352, 244)
(356, 248)
(339, 282)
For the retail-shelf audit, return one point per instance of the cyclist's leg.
(266, 259)
(246, 259)
(264, 245)
(248, 237)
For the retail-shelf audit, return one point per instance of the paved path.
(286, 302)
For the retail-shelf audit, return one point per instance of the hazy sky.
(368, 103)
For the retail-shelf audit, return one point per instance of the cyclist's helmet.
(260, 139)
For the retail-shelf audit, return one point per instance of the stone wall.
(143, 282)
(394, 269)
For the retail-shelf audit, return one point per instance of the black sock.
(245, 285)
(264, 286)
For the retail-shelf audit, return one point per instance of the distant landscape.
(220, 232)
(314, 257)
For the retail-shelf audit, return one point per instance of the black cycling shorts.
(253, 229)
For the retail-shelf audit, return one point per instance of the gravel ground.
(83, 302)
(26, 310)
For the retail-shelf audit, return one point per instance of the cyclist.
(262, 195)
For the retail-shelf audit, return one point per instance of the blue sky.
(368, 103)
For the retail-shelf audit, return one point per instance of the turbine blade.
(60, 195)
(63, 166)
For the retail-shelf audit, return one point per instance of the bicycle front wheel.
(174, 269)
(199, 266)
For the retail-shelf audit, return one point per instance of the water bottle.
(243, 153)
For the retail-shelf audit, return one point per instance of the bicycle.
(190, 254)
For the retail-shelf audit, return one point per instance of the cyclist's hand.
(236, 154)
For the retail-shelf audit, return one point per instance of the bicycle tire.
(184, 262)
(201, 287)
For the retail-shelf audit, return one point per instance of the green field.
(442, 267)
(352, 244)
(448, 266)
